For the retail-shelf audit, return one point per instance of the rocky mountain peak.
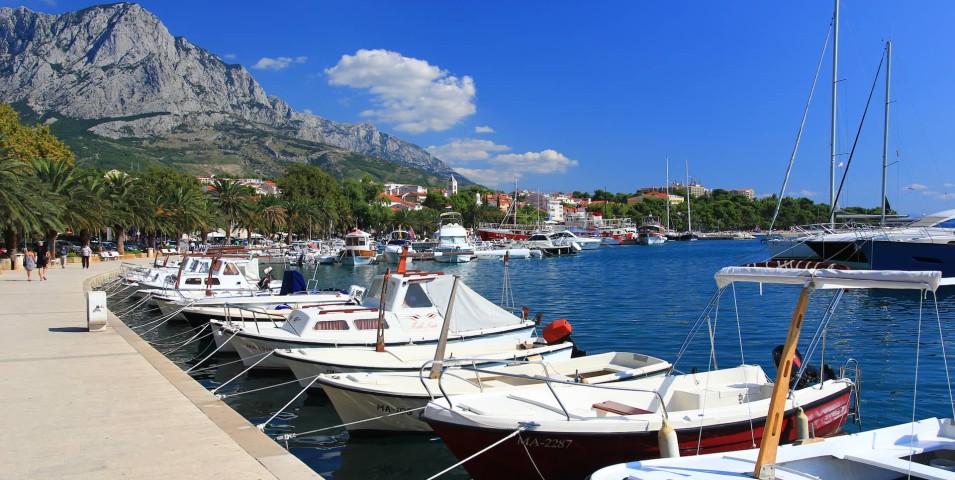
(119, 64)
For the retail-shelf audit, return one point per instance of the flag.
(411, 233)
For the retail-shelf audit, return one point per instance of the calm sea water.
(630, 298)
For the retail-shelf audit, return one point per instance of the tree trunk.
(10, 241)
(119, 242)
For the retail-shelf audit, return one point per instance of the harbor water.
(625, 298)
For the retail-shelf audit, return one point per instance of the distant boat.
(453, 245)
(396, 242)
(358, 250)
(544, 241)
(650, 232)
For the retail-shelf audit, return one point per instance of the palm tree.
(274, 217)
(231, 200)
(22, 204)
(75, 188)
(183, 210)
(118, 188)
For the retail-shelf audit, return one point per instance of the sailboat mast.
(667, 187)
(689, 218)
(832, 136)
(885, 127)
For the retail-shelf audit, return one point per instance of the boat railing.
(241, 319)
(470, 365)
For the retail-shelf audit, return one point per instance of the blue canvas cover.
(292, 282)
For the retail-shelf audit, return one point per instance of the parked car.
(70, 246)
(134, 246)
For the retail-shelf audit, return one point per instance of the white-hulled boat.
(397, 242)
(412, 311)
(919, 449)
(359, 249)
(715, 411)
(650, 232)
(551, 244)
(362, 398)
(307, 363)
(454, 244)
(566, 237)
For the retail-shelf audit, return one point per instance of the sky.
(563, 96)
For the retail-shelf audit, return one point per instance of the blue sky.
(581, 96)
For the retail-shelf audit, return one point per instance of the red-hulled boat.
(569, 430)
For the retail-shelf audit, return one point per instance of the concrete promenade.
(104, 405)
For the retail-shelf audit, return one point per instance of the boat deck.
(105, 405)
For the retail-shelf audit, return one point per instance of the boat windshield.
(415, 297)
(454, 241)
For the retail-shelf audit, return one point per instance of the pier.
(106, 405)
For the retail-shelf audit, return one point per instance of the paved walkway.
(103, 405)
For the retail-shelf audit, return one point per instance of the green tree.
(232, 199)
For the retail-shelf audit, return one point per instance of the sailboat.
(688, 235)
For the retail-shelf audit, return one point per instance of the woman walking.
(29, 263)
(42, 259)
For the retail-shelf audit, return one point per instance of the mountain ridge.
(119, 66)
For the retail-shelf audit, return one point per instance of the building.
(674, 199)
(746, 192)
(399, 189)
(452, 187)
(693, 187)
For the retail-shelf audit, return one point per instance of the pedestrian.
(29, 262)
(42, 259)
(62, 255)
(85, 253)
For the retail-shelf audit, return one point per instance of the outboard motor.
(559, 331)
(810, 376)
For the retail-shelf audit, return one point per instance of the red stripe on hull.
(575, 456)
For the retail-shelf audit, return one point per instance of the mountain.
(118, 88)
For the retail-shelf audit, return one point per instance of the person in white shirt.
(85, 253)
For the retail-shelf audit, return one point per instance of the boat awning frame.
(831, 278)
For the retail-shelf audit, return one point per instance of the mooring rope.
(462, 462)
(264, 356)
(159, 341)
(262, 425)
(132, 307)
(187, 342)
(237, 394)
(216, 350)
(203, 369)
(290, 436)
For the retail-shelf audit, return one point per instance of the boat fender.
(283, 306)
(802, 425)
(669, 445)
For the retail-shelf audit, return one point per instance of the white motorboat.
(918, 449)
(359, 249)
(409, 305)
(566, 237)
(362, 398)
(307, 363)
(651, 232)
(454, 245)
(545, 242)
(397, 242)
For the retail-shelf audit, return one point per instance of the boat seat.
(619, 408)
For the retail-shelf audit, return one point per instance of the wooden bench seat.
(619, 408)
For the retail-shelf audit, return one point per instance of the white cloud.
(948, 185)
(916, 186)
(415, 96)
(547, 161)
(461, 150)
(488, 178)
(946, 196)
(483, 129)
(280, 63)
(229, 56)
(308, 111)
(929, 193)
(802, 193)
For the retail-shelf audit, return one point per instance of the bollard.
(96, 311)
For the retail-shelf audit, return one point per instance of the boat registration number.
(545, 442)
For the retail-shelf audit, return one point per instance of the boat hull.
(888, 255)
(566, 454)
(252, 348)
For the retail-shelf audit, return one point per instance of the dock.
(106, 405)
